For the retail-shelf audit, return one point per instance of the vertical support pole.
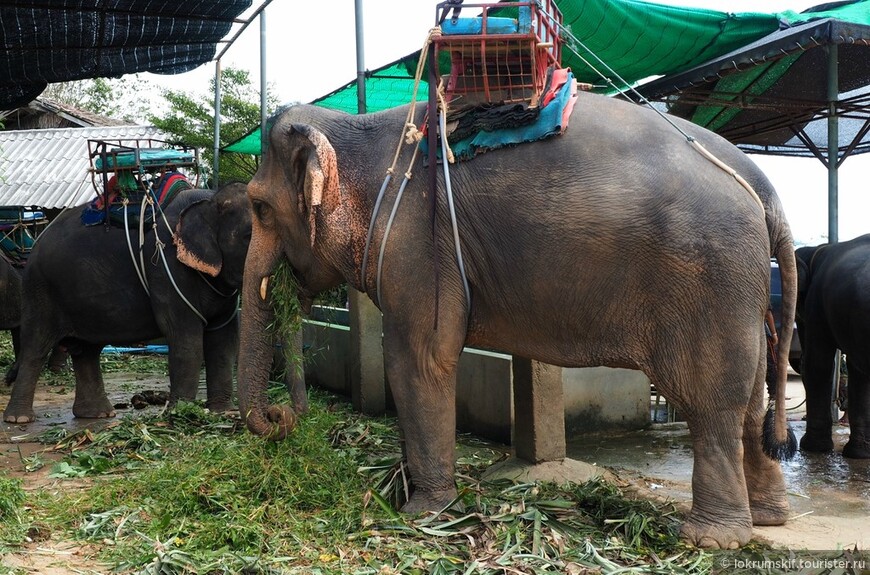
(216, 161)
(368, 385)
(539, 411)
(833, 183)
(360, 60)
(264, 136)
(833, 144)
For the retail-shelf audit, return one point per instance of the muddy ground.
(829, 495)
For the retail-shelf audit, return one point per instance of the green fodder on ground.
(188, 491)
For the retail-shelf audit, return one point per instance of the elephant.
(833, 312)
(615, 243)
(10, 318)
(82, 288)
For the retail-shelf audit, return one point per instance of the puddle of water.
(825, 483)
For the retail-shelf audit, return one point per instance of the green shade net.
(637, 40)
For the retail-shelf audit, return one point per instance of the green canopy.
(637, 40)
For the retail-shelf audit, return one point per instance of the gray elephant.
(833, 312)
(616, 243)
(82, 288)
(10, 318)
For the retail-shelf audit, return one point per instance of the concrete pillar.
(539, 412)
(368, 387)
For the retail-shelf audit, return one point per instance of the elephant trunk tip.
(778, 438)
(276, 426)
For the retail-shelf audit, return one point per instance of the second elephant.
(83, 289)
(833, 312)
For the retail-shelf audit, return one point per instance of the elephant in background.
(833, 312)
(82, 289)
(10, 318)
(590, 248)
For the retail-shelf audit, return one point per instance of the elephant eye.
(262, 211)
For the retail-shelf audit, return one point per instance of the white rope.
(139, 272)
(410, 135)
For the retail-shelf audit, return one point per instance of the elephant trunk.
(256, 346)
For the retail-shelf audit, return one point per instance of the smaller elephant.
(10, 318)
(833, 312)
(90, 286)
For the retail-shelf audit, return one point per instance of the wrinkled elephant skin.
(615, 243)
(81, 289)
(833, 313)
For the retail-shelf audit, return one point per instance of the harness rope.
(159, 245)
(691, 139)
(411, 136)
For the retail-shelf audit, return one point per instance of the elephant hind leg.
(720, 515)
(858, 446)
(91, 400)
(764, 481)
(714, 404)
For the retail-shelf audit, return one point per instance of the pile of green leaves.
(189, 491)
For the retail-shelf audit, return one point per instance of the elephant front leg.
(91, 400)
(221, 349)
(424, 389)
(858, 446)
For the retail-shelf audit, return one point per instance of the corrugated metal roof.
(49, 168)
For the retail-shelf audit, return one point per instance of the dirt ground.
(829, 495)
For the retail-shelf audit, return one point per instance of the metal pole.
(833, 145)
(264, 136)
(216, 161)
(360, 60)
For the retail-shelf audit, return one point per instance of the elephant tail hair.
(779, 446)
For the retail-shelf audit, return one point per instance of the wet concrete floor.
(828, 493)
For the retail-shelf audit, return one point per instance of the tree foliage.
(126, 98)
(190, 120)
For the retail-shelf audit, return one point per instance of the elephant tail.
(778, 439)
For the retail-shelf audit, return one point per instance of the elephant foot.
(429, 501)
(714, 536)
(220, 406)
(817, 443)
(856, 449)
(10, 417)
(93, 409)
(765, 513)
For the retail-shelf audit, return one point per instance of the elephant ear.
(319, 175)
(196, 238)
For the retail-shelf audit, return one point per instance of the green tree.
(190, 120)
(126, 98)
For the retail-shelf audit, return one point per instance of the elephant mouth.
(303, 292)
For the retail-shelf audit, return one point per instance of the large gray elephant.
(616, 243)
(82, 288)
(833, 312)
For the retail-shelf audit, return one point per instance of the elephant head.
(212, 234)
(300, 211)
